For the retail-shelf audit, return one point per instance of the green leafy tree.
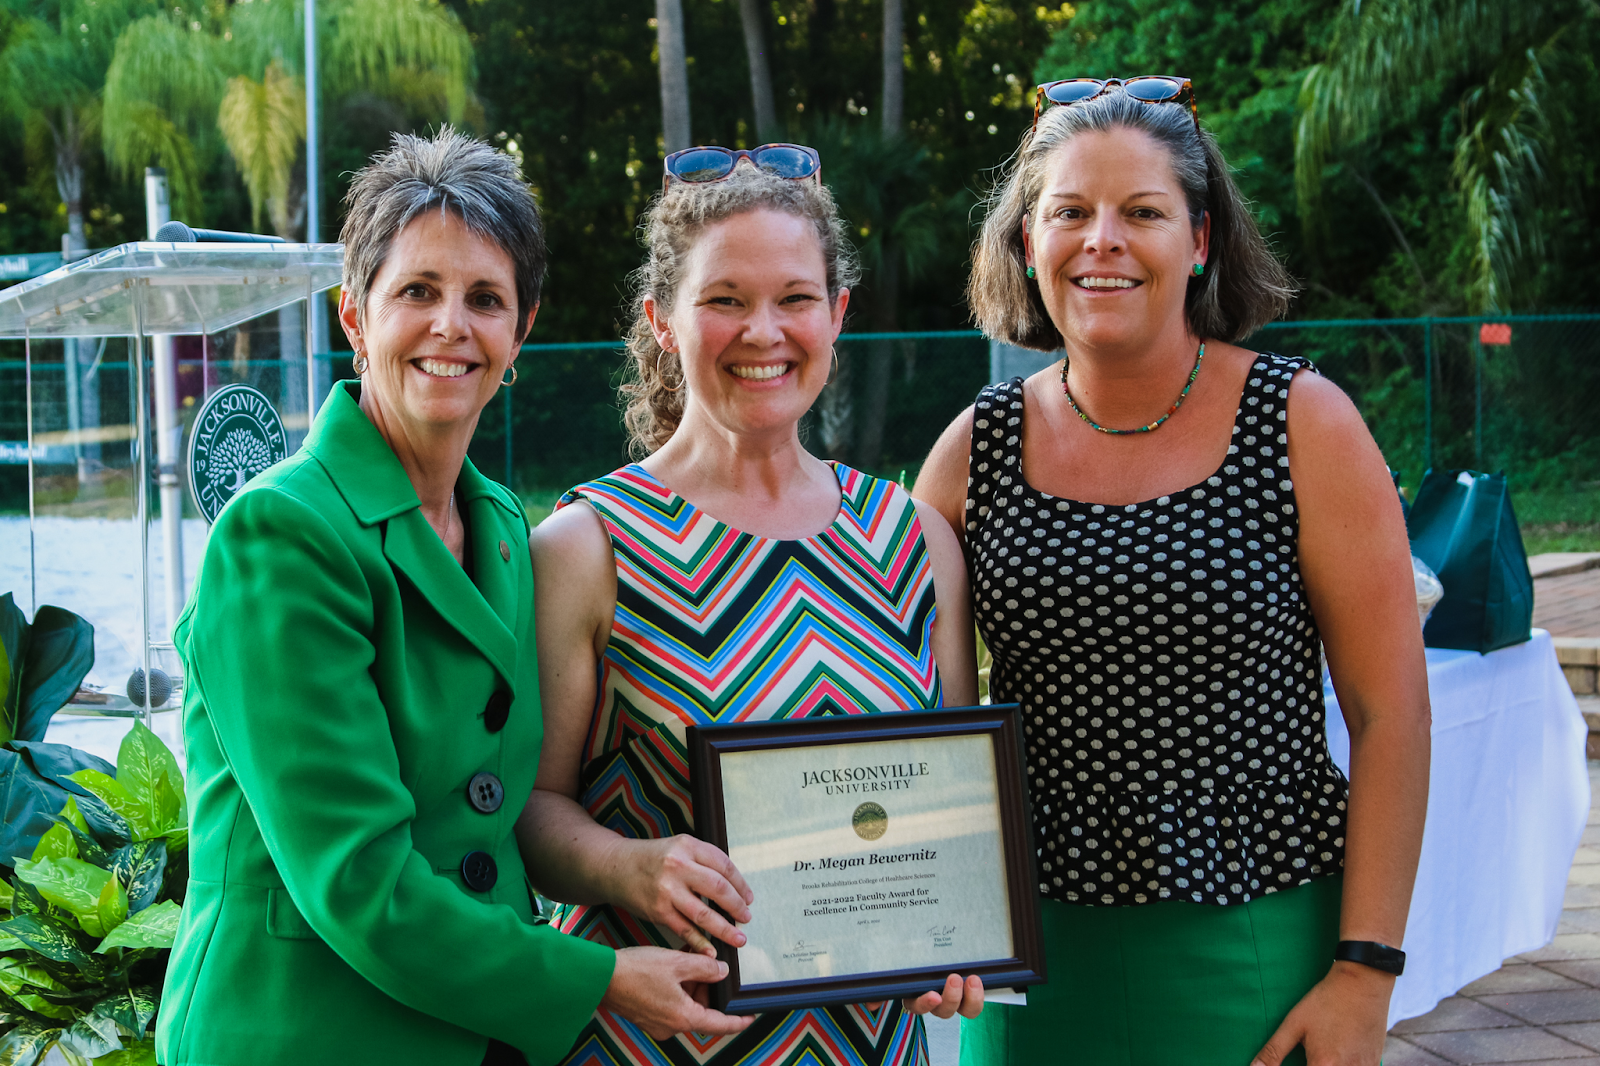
(1495, 54)
(576, 89)
(179, 91)
(264, 123)
(52, 71)
(161, 92)
(901, 225)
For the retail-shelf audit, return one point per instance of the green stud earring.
(1199, 269)
(1030, 272)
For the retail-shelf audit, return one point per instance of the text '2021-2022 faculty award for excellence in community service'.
(886, 851)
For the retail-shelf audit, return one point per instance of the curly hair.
(1243, 288)
(672, 224)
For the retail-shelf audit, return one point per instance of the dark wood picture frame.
(1001, 723)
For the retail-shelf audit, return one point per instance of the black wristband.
(1371, 953)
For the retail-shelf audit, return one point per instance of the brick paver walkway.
(1568, 605)
(1539, 1008)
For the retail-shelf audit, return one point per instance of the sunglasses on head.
(1150, 88)
(710, 162)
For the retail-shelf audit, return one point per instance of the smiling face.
(440, 326)
(1111, 242)
(751, 323)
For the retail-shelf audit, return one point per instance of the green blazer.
(345, 679)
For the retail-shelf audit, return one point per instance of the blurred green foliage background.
(1447, 151)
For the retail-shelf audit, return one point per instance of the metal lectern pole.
(316, 325)
(169, 427)
(33, 554)
(142, 499)
(311, 354)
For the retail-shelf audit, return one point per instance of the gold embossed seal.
(870, 821)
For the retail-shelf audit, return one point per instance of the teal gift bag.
(1462, 526)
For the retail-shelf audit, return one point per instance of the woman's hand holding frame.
(675, 881)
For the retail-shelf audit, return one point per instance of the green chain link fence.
(1436, 392)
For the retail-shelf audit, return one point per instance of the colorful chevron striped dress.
(716, 625)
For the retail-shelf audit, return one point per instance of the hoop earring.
(662, 377)
(507, 384)
(358, 363)
(834, 376)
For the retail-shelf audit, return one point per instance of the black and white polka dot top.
(1167, 664)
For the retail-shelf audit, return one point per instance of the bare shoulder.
(572, 545)
(1319, 410)
(1338, 470)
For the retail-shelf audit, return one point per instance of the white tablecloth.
(1507, 803)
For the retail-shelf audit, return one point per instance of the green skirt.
(1164, 983)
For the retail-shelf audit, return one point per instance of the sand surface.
(91, 566)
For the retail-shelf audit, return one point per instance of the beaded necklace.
(1201, 354)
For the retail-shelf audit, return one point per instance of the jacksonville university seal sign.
(236, 435)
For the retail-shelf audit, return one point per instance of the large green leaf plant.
(41, 666)
(93, 911)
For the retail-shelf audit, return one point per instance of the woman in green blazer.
(362, 705)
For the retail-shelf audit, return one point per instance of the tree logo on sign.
(236, 435)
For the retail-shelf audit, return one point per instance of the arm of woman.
(306, 734)
(569, 856)
(954, 650)
(1355, 560)
(954, 639)
(573, 858)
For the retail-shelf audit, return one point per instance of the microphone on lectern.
(176, 232)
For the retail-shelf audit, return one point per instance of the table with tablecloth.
(1508, 799)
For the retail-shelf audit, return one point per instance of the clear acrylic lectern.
(120, 352)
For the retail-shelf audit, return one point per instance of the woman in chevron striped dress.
(729, 576)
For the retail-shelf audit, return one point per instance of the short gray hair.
(673, 223)
(477, 183)
(1244, 286)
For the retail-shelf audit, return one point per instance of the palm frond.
(1383, 50)
(263, 124)
(39, 70)
(162, 83)
(370, 41)
(260, 34)
(145, 133)
(167, 63)
(1497, 167)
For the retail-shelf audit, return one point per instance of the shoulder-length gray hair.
(1243, 288)
(478, 184)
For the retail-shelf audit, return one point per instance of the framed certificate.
(886, 852)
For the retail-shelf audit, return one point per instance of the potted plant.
(94, 904)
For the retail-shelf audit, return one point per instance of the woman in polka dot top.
(1162, 531)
